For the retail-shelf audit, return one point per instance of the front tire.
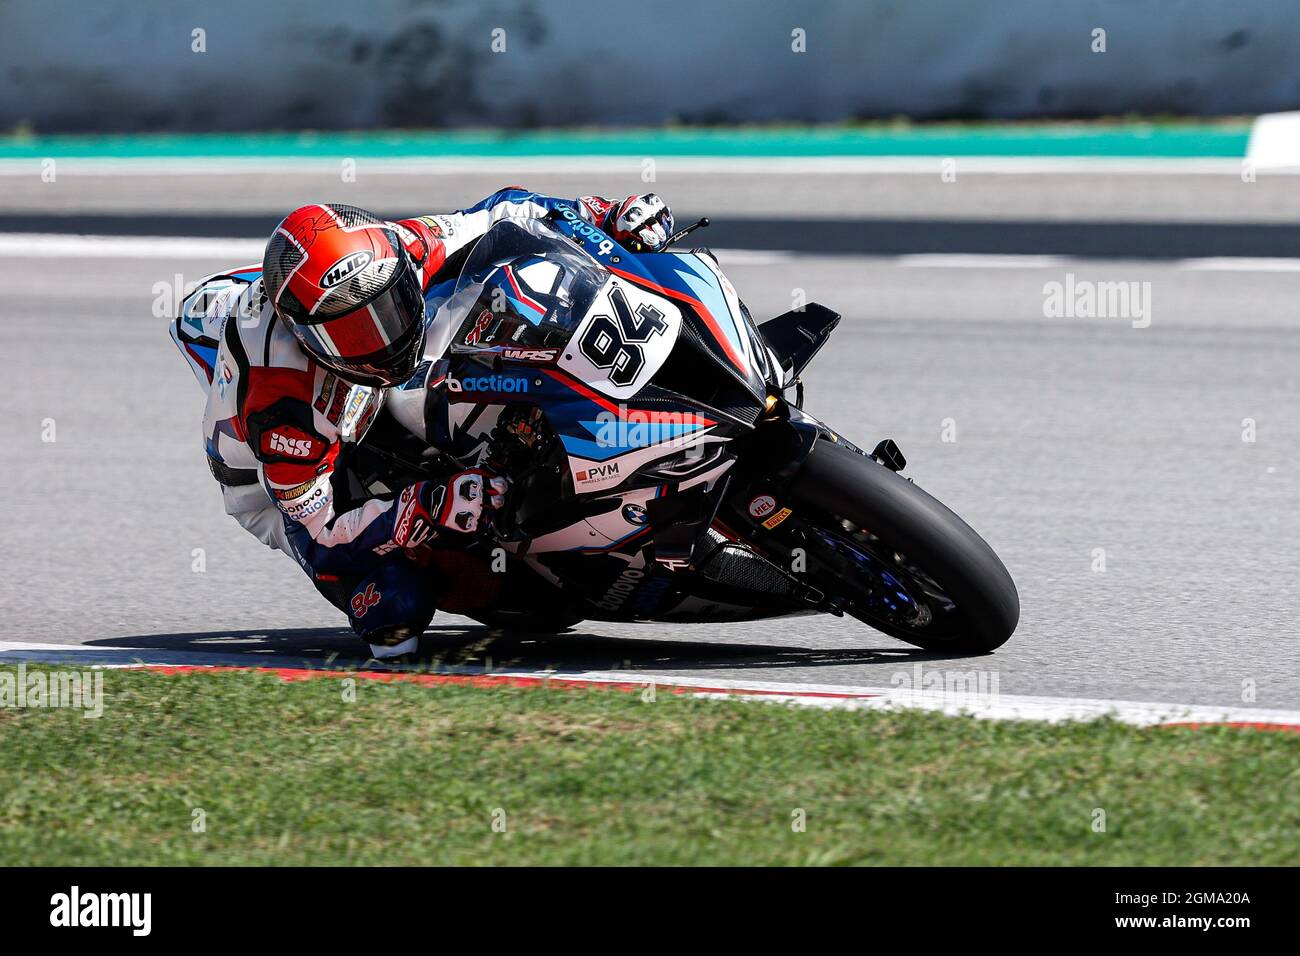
(959, 596)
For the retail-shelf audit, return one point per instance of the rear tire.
(842, 485)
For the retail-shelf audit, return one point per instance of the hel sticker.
(761, 505)
(777, 518)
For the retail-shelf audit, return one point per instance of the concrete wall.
(105, 65)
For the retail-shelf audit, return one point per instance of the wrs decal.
(531, 355)
(345, 268)
(365, 600)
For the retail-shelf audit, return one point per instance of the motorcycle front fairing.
(541, 321)
(618, 379)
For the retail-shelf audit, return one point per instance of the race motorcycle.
(660, 468)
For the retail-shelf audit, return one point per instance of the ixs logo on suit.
(294, 447)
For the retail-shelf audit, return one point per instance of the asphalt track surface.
(908, 190)
(878, 237)
(1072, 435)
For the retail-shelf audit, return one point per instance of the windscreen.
(524, 284)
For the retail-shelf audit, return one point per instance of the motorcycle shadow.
(474, 646)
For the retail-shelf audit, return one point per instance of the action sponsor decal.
(489, 383)
(580, 227)
(301, 510)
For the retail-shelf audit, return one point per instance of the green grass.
(291, 773)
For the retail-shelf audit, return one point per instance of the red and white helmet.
(344, 283)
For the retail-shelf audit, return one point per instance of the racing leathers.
(276, 422)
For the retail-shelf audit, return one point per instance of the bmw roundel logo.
(635, 514)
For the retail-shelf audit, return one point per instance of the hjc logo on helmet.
(345, 267)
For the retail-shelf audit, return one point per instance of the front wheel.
(902, 561)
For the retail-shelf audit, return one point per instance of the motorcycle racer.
(299, 354)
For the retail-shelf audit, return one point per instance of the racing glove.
(640, 223)
(428, 510)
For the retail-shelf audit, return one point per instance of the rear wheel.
(905, 564)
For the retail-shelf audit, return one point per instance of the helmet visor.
(375, 339)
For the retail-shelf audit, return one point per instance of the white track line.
(990, 706)
(40, 245)
(964, 260)
(1240, 264)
